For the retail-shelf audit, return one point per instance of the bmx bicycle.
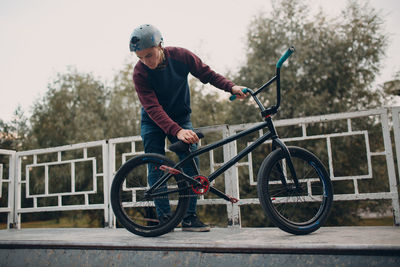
(293, 186)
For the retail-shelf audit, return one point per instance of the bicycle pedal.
(233, 200)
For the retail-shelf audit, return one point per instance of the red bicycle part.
(233, 200)
(203, 188)
(169, 169)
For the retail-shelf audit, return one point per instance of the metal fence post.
(17, 192)
(10, 209)
(388, 148)
(106, 183)
(231, 181)
(11, 223)
(111, 170)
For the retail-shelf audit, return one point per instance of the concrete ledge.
(99, 258)
(337, 240)
(329, 246)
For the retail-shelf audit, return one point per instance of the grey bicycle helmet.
(144, 36)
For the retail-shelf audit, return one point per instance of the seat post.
(193, 162)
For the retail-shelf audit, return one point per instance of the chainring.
(203, 188)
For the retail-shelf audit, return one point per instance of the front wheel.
(148, 214)
(295, 209)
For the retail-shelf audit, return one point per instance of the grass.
(386, 221)
(63, 222)
(67, 220)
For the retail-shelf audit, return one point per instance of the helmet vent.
(135, 40)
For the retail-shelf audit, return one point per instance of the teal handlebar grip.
(285, 56)
(233, 97)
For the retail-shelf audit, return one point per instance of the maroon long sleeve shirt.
(164, 92)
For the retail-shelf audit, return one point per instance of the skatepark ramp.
(329, 246)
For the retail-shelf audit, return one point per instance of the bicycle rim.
(302, 209)
(135, 210)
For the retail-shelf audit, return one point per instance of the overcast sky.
(40, 38)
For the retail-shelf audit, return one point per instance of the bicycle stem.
(265, 112)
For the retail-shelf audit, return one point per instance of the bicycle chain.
(183, 196)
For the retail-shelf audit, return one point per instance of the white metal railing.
(27, 197)
(382, 118)
(32, 175)
(7, 178)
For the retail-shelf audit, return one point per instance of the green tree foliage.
(80, 108)
(73, 110)
(393, 87)
(207, 108)
(13, 134)
(335, 63)
(123, 110)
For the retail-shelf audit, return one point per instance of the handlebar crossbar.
(265, 112)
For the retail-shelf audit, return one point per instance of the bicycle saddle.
(181, 146)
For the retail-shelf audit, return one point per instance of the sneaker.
(193, 224)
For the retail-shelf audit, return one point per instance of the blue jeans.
(154, 142)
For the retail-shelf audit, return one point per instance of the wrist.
(176, 130)
(231, 90)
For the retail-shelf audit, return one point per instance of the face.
(151, 57)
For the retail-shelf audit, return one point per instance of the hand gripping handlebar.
(282, 59)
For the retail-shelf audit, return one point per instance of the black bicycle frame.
(239, 156)
(271, 134)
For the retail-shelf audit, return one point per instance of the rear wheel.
(137, 211)
(297, 210)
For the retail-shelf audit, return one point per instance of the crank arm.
(223, 195)
(190, 180)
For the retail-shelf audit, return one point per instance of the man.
(161, 82)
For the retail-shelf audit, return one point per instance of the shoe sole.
(192, 229)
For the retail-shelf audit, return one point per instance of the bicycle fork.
(276, 142)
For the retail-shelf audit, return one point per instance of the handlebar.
(265, 112)
(233, 97)
(285, 56)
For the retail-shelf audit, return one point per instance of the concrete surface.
(217, 240)
(329, 246)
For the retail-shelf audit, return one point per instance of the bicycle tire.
(296, 211)
(136, 212)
